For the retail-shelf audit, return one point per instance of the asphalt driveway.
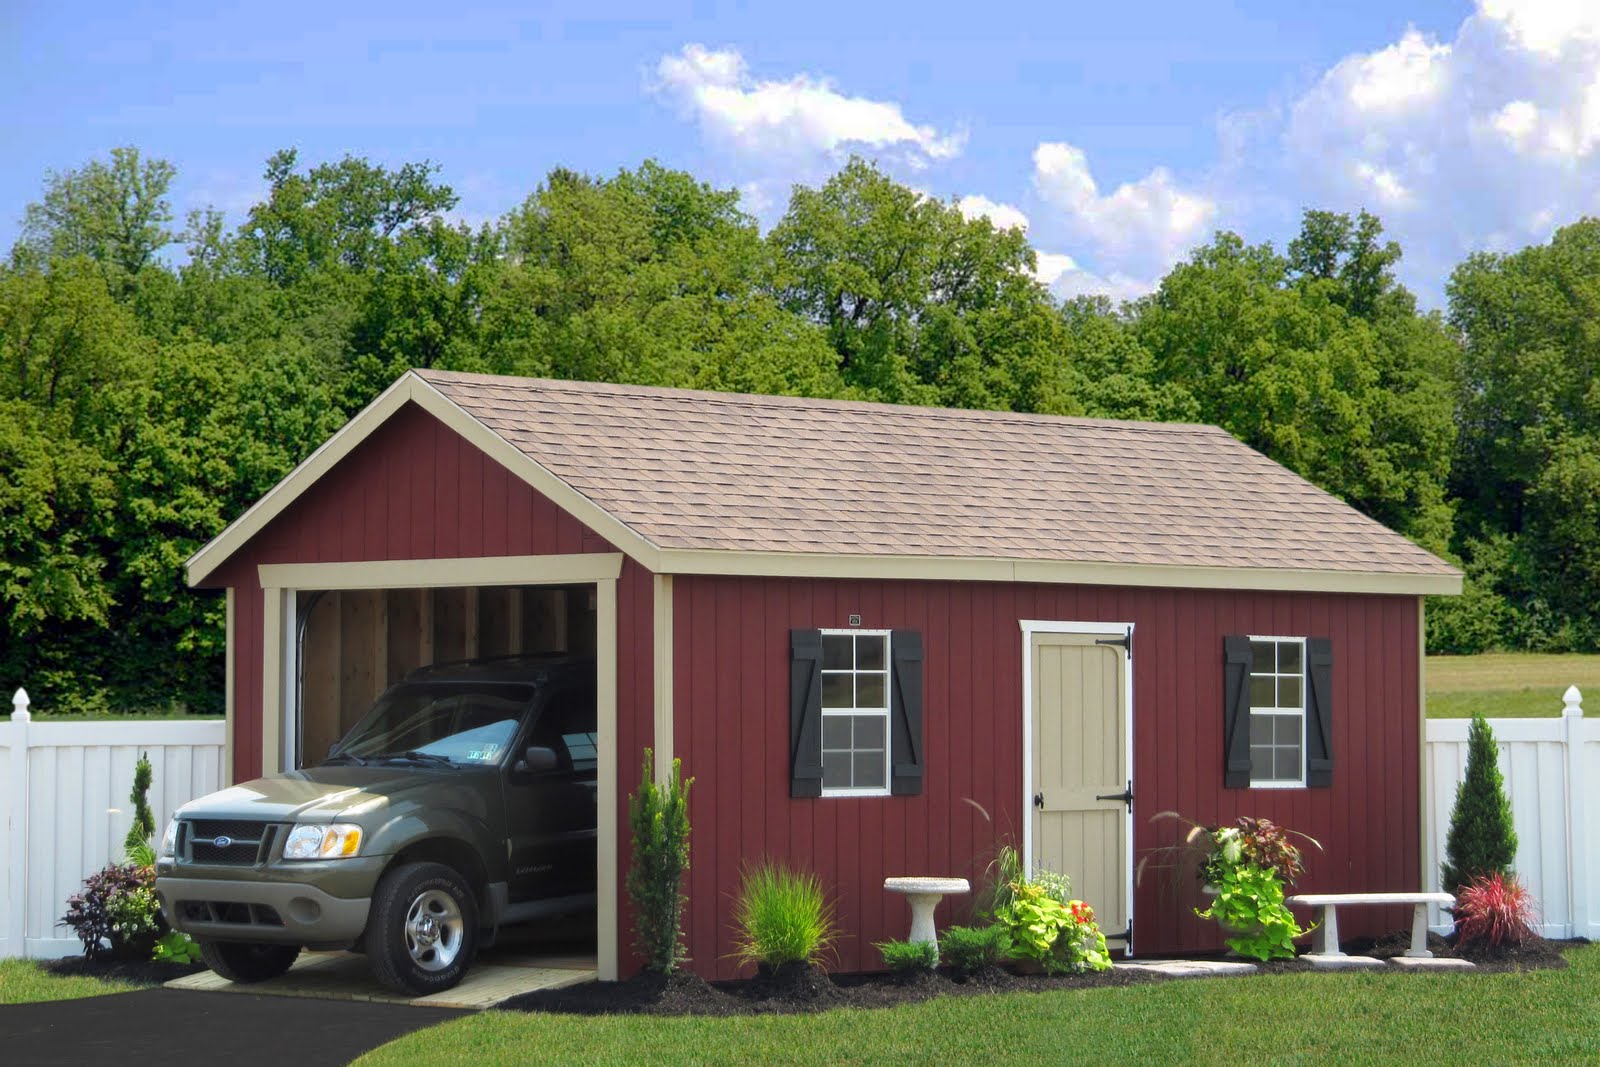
(167, 1026)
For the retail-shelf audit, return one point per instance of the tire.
(423, 930)
(247, 961)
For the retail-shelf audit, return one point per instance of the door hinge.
(1125, 642)
(1126, 935)
(1126, 796)
(1038, 800)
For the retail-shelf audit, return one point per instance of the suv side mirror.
(538, 758)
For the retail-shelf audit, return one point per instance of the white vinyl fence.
(1552, 775)
(64, 809)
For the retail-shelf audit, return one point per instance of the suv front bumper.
(271, 912)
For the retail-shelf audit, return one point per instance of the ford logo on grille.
(223, 842)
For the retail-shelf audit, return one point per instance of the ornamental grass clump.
(1495, 911)
(659, 817)
(782, 916)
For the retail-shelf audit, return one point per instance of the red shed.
(883, 639)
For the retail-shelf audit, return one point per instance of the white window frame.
(1305, 687)
(885, 711)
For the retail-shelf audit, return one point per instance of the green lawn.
(1381, 1017)
(1509, 685)
(22, 982)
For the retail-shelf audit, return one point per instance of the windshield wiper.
(421, 757)
(340, 757)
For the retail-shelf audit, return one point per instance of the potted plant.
(1244, 868)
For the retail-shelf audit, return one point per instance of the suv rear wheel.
(245, 961)
(423, 929)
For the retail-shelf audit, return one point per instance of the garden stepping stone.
(1341, 962)
(1436, 963)
(1188, 968)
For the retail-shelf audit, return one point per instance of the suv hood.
(318, 794)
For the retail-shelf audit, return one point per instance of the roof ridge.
(737, 399)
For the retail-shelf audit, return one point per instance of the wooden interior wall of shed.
(731, 728)
(357, 643)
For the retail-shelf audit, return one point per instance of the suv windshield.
(461, 722)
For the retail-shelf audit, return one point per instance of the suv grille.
(229, 842)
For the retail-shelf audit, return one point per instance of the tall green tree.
(920, 303)
(1318, 360)
(114, 212)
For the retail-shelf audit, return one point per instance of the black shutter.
(1236, 712)
(905, 714)
(805, 713)
(1319, 712)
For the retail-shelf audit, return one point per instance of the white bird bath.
(924, 894)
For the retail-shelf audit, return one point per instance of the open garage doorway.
(355, 643)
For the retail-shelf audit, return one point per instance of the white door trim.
(1030, 627)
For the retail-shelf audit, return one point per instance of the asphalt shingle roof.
(728, 471)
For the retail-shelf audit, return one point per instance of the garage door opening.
(352, 644)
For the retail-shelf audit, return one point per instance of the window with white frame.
(1277, 711)
(855, 712)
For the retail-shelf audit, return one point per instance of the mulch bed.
(137, 972)
(798, 988)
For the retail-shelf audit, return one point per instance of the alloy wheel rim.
(433, 930)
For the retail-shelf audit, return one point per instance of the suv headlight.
(336, 841)
(169, 840)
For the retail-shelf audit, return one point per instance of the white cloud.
(1003, 216)
(801, 117)
(1146, 224)
(1053, 265)
(1409, 72)
(1544, 26)
(1484, 139)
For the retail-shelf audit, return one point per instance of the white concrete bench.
(1327, 939)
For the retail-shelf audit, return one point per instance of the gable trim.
(413, 389)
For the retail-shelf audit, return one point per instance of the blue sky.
(1121, 134)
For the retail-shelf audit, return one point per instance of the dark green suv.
(464, 800)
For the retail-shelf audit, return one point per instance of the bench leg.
(1419, 934)
(1327, 941)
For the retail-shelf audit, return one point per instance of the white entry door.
(1081, 768)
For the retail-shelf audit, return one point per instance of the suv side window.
(567, 724)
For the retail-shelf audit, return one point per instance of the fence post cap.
(1573, 700)
(19, 706)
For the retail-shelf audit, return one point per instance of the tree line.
(157, 378)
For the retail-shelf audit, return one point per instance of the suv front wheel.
(244, 961)
(423, 929)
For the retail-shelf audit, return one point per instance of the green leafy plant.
(908, 957)
(116, 915)
(659, 817)
(136, 844)
(969, 949)
(1494, 910)
(1249, 903)
(1481, 840)
(1060, 935)
(174, 946)
(782, 916)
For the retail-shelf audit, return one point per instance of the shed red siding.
(731, 730)
(415, 489)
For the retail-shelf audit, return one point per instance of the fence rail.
(64, 809)
(1552, 776)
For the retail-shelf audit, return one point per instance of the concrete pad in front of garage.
(346, 976)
